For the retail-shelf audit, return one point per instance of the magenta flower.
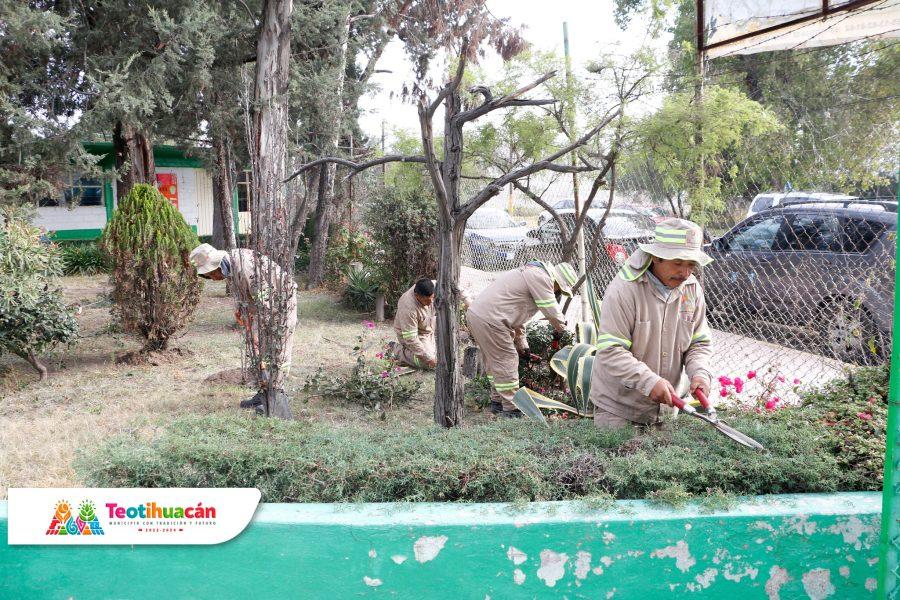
(379, 355)
(398, 369)
(781, 378)
(864, 416)
(385, 374)
(369, 324)
(725, 380)
(738, 385)
(723, 392)
(751, 374)
(772, 404)
(796, 381)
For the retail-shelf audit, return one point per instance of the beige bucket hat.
(206, 258)
(678, 239)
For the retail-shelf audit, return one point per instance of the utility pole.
(582, 262)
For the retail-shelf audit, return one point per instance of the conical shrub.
(155, 287)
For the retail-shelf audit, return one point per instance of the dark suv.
(817, 277)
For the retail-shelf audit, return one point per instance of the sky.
(592, 29)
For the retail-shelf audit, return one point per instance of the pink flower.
(385, 374)
(398, 369)
(796, 381)
(781, 378)
(379, 355)
(725, 381)
(772, 404)
(369, 324)
(723, 392)
(738, 385)
(751, 374)
(864, 416)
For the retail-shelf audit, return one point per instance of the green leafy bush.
(403, 225)
(345, 248)
(33, 316)
(155, 287)
(502, 461)
(540, 377)
(82, 259)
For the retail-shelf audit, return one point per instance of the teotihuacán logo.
(128, 515)
(84, 523)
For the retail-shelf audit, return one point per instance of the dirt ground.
(89, 398)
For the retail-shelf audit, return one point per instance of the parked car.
(773, 199)
(816, 276)
(622, 232)
(567, 206)
(492, 239)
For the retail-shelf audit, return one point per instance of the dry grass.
(89, 398)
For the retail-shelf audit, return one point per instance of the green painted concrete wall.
(801, 546)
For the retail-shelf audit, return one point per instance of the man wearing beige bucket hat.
(240, 267)
(654, 340)
(497, 317)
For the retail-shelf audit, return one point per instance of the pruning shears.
(709, 415)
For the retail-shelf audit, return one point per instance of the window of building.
(244, 191)
(81, 191)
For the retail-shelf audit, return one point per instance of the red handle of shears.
(680, 404)
(701, 396)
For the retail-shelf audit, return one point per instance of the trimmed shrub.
(33, 316)
(293, 461)
(155, 287)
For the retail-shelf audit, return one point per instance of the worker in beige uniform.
(240, 267)
(496, 320)
(414, 325)
(653, 339)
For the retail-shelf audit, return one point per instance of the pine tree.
(155, 287)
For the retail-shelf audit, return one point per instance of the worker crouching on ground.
(414, 325)
(653, 330)
(497, 318)
(239, 266)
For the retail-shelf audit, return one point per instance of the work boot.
(515, 413)
(253, 402)
(496, 407)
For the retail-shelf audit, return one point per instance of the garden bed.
(835, 442)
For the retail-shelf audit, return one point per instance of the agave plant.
(572, 363)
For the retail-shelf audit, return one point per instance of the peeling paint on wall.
(734, 575)
(871, 584)
(844, 571)
(398, 559)
(852, 529)
(427, 548)
(516, 555)
(704, 580)
(777, 578)
(817, 584)
(371, 582)
(680, 552)
(553, 567)
(582, 564)
(518, 576)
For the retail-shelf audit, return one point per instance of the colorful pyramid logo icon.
(84, 523)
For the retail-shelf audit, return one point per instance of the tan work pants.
(499, 356)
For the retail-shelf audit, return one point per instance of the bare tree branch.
(495, 186)
(453, 85)
(506, 101)
(356, 167)
(431, 161)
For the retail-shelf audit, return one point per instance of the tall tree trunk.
(134, 151)
(224, 235)
(271, 214)
(321, 221)
(331, 130)
(448, 382)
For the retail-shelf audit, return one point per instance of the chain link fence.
(796, 294)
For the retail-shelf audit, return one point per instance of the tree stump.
(379, 307)
(472, 366)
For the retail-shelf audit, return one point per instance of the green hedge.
(504, 461)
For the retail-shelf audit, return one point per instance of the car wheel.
(849, 334)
